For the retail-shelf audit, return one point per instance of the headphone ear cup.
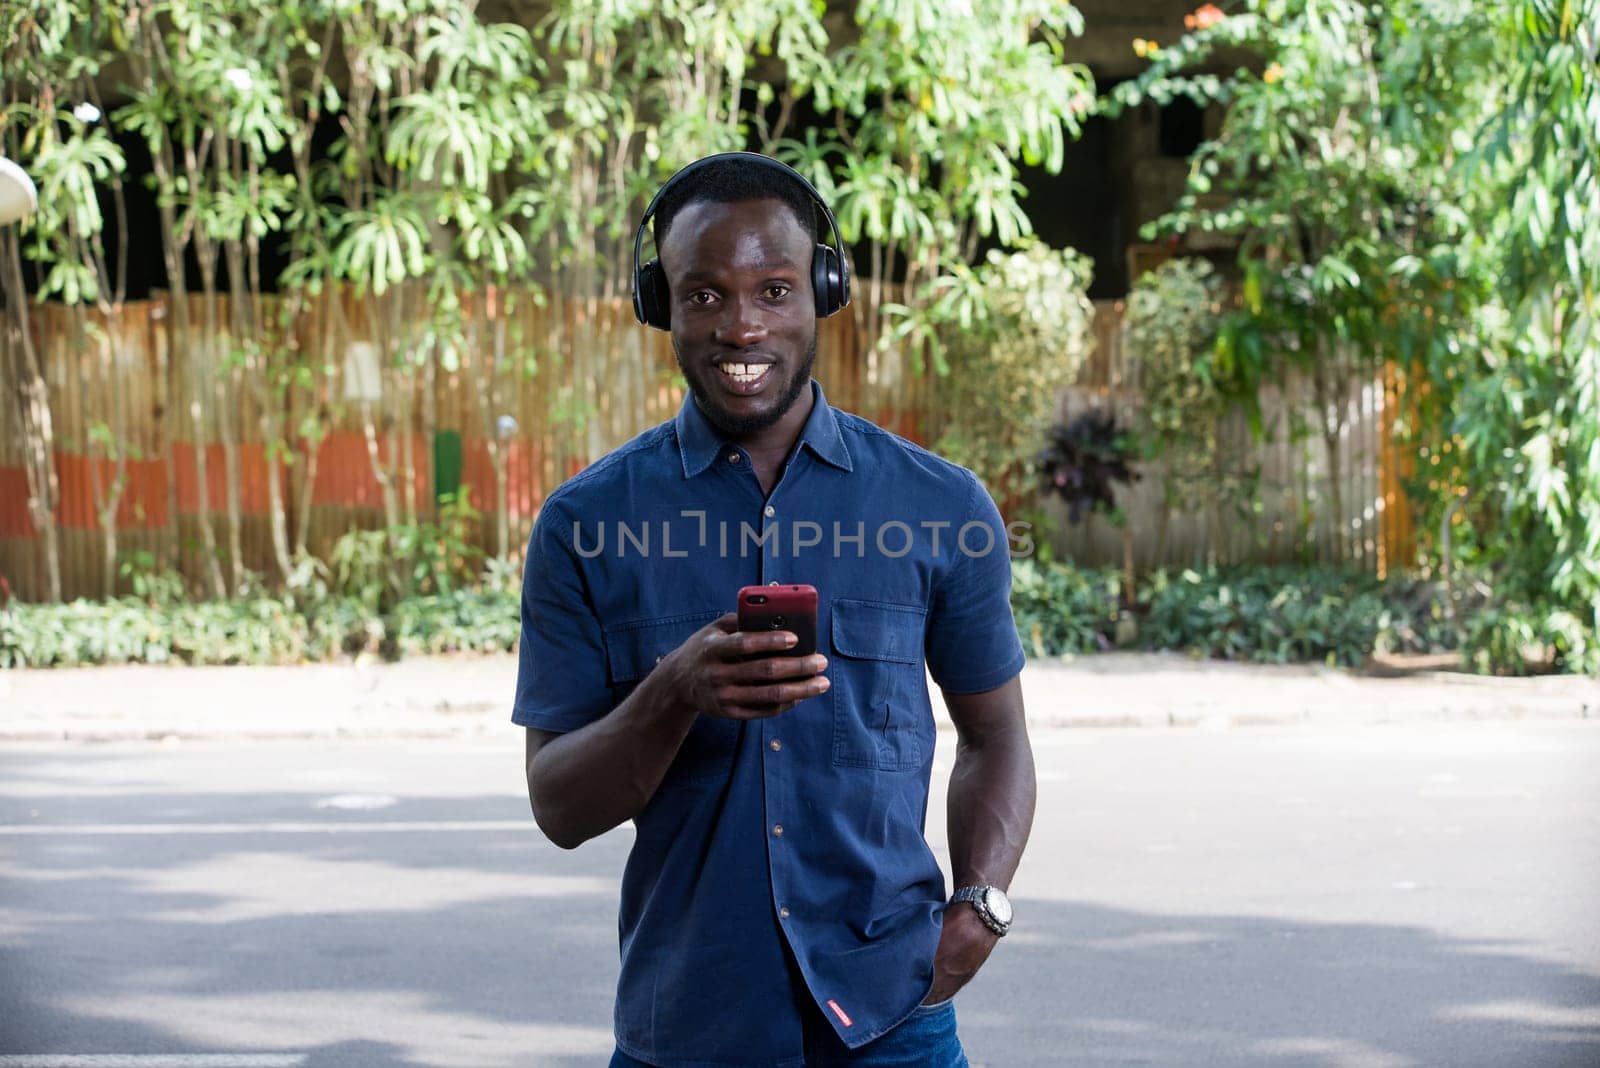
(828, 281)
(650, 305)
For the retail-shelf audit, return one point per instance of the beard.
(739, 426)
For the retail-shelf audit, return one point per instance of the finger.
(757, 643)
(756, 712)
(775, 667)
(759, 711)
(774, 694)
(728, 622)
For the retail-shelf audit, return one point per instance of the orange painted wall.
(344, 480)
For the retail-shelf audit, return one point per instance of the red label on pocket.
(837, 1011)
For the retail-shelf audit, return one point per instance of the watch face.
(999, 905)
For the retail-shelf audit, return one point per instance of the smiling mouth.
(743, 374)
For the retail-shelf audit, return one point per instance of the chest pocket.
(880, 709)
(632, 652)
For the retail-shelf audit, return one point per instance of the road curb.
(487, 723)
(462, 697)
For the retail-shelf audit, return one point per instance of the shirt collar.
(701, 443)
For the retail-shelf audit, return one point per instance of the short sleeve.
(561, 667)
(972, 643)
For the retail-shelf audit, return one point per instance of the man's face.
(744, 325)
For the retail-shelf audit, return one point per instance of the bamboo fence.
(1294, 517)
(592, 379)
(596, 379)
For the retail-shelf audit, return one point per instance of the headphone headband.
(830, 275)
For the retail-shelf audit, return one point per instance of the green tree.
(933, 106)
(1020, 326)
(1174, 314)
(299, 375)
(32, 45)
(161, 45)
(478, 123)
(1527, 403)
(73, 154)
(476, 162)
(1334, 167)
(1415, 181)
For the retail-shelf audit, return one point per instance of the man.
(780, 906)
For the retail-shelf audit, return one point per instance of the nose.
(742, 326)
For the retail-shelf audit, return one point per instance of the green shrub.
(1417, 618)
(343, 626)
(462, 621)
(82, 632)
(130, 631)
(257, 631)
(1015, 330)
(1266, 614)
(1269, 615)
(1061, 609)
(1173, 315)
(1514, 639)
(260, 630)
(382, 569)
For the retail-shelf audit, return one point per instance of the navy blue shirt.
(780, 859)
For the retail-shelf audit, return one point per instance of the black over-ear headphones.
(830, 278)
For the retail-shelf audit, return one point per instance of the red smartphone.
(791, 608)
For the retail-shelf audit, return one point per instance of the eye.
(702, 297)
(776, 291)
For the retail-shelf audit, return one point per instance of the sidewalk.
(462, 696)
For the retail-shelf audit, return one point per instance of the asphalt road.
(1379, 897)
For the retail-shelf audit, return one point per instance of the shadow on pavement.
(490, 946)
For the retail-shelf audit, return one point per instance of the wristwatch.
(991, 903)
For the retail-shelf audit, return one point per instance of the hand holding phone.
(779, 608)
(740, 665)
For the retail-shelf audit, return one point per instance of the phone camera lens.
(757, 598)
(778, 622)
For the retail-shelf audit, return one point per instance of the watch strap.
(975, 895)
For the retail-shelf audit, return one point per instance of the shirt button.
(777, 830)
(783, 914)
(774, 582)
(775, 745)
(769, 511)
(733, 457)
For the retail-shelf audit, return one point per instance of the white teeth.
(743, 372)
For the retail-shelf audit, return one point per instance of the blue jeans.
(926, 1039)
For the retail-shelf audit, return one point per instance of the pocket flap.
(633, 649)
(869, 630)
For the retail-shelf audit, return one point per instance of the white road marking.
(358, 802)
(151, 1060)
(278, 827)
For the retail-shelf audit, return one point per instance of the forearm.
(584, 783)
(990, 804)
